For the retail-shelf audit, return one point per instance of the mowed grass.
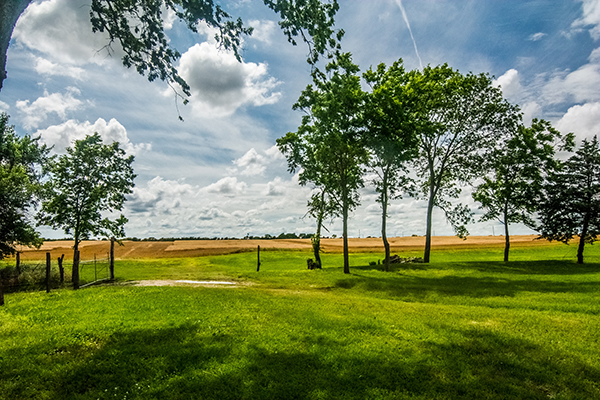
(466, 326)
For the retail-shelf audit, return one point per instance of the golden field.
(197, 248)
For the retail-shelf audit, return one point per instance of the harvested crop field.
(197, 248)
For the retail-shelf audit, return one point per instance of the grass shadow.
(185, 362)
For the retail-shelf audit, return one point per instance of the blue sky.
(218, 172)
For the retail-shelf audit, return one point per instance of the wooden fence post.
(61, 269)
(18, 265)
(258, 261)
(48, 272)
(112, 259)
(75, 274)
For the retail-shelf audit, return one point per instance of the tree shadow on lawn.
(399, 285)
(187, 363)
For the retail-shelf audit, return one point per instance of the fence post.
(61, 270)
(48, 272)
(75, 274)
(1, 291)
(258, 260)
(112, 259)
(18, 266)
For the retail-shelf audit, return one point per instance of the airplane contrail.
(399, 2)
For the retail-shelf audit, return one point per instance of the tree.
(320, 207)
(137, 26)
(519, 164)
(571, 201)
(391, 138)
(457, 118)
(91, 179)
(21, 162)
(328, 148)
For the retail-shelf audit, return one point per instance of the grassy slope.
(464, 327)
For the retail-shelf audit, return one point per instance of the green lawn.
(465, 326)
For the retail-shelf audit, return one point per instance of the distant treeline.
(171, 239)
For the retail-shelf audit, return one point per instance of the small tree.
(519, 164)
(91, 179)
(21, 162)
(391, 138)
(328, 147)
(320, 207)
(571, 201)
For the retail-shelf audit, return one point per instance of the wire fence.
(30, 275)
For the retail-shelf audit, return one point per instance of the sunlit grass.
(462, 327)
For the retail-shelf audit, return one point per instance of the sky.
(218, 173)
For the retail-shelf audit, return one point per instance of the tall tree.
(320, 207)
(92, 179)
(328, 147)
(458, 118)
(137, 27)
(391, 138)
(571, 201)
(518, 166)
(21, 162)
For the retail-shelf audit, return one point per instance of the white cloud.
(61, 29)
(536, 36)
(37, 112)
(582, 120)
(510, 84)
(228, 186)
(263, 30)
(591, 17)
(161, 196)
(46, 67)
(276, 187)
(579, 86)
(4, 106)
(220, 84)
(63, 135)
(251, 162)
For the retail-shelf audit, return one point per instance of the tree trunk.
(1, 292)
(345, 236)
(61, 269)
(75, 271)
(584, 231)
(48, 272)
(506, 239)
(384, 204)
(112, 259)
(10, 10)
(316, 243)
(429, 221)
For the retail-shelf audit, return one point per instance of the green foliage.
(449, 330)
(328, 147)
(91, 179)
(458, 119)
(138, 28)
(518, 166)
(391, 136)
(21, 162)
(571, 201)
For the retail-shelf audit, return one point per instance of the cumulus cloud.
(46, 67)
(4, 106)
(590, 17)
(220, 84)
(583, 120)
(160, 196)
(61, 29)
(228, 186)
(510, 84)
(252, 163)
(276, 187)
(63, 135)
(35, 113)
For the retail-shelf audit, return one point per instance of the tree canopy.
(518, 165)
(571, 199)
(328, 147)
(458, 118)
(137, 27)
(21, 163)
(88, 182)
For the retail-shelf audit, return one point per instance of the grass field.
(466, 326)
